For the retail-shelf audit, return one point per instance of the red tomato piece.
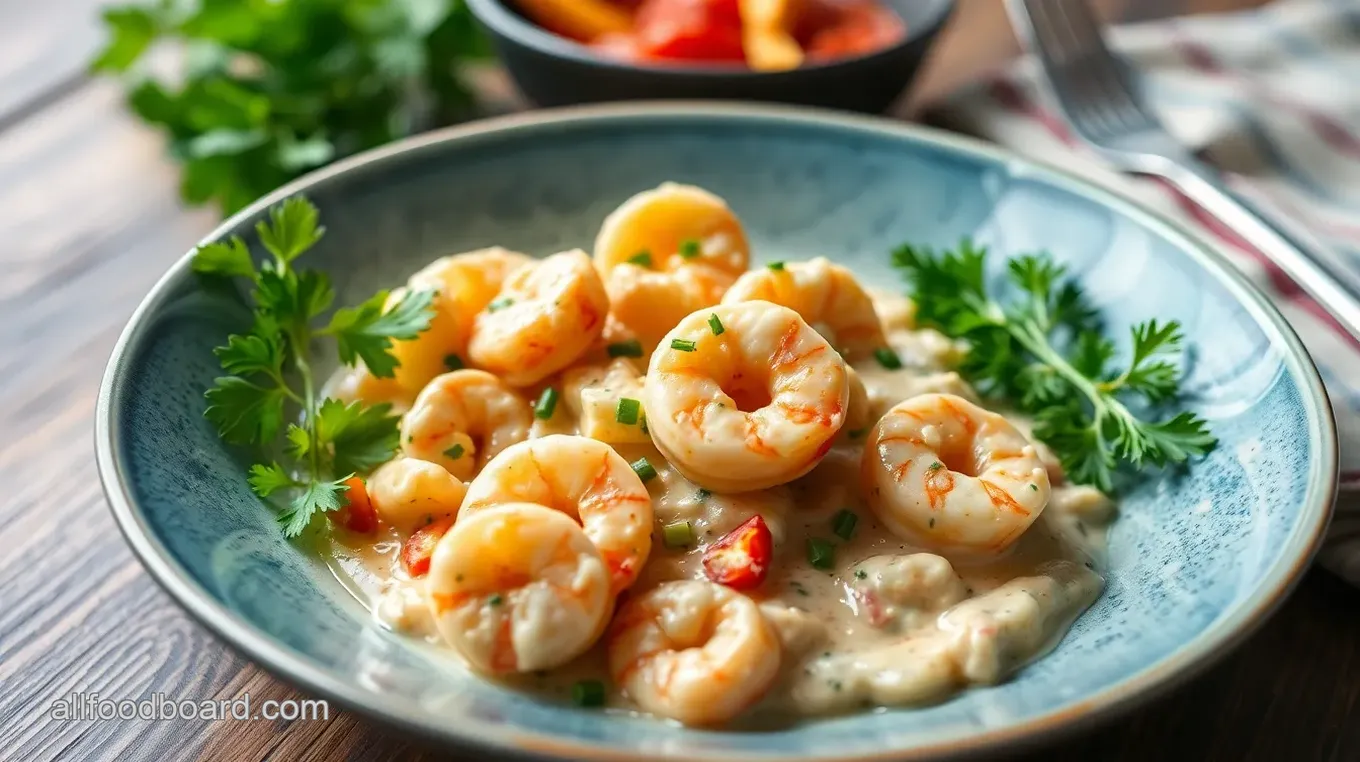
(698, 30)
(855, 29)
(358, 515)
(741, 559)
(419, 547)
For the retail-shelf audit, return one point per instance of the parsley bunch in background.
(1044, 351)
(273, 88)
(270, 387)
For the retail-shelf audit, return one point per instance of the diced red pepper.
(741, 559)
(358, 515)
(701, 30)
(419, 547)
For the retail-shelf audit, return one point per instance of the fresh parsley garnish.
(271, 89)
(270, 380)
(1045, 351)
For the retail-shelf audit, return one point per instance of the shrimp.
(358, 384)
(584, 479)
(943, 473)
(463, 419)
(666, 253)
(463, 285)
(826, 295)
(409, 493)
(752, 406)
(693, 651)
(542, 320)
(518, 587)
(648, 303)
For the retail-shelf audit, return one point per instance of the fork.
(1094, 90)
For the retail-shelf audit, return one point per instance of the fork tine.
(1063, 51)
(1091, 84)
(1108, 72)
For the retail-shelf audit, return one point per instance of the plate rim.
(1190, 659)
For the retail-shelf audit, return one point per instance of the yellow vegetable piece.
(582, 20)
(766, 34)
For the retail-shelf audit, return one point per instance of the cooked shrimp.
(826, 295)
(666, 253)
(463, 285)
(358, 384)
(543, 318)
(693, 651)
(409, 493)
(584, 479)
(942, 472)
(518, 587)
(463, 419)
(747, 408)
(674, 225)
(648, 303)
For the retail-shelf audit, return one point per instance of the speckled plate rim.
(1191, 658)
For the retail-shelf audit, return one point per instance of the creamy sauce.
(887, 624)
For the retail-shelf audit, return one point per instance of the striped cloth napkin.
(1271, 95)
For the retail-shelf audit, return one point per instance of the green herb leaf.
(547, 404)
(318, 497)
(266, 480)
(362, 437)
(245, 413)
(244, 355)
(132, 30)
(366, 332)
(632, 348)
(292, 228)
(226, 258)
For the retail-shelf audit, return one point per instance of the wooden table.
(89, 218)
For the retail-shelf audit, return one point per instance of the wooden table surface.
(90, 217)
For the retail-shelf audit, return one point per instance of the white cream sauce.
(889, 623)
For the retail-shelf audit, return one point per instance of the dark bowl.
(555, 71)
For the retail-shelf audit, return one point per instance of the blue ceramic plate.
(1195, 562)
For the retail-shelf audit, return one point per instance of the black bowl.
(555, 71)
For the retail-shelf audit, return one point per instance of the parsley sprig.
(1045, 351)
(270, 377)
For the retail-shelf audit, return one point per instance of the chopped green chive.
(643, 468)
(888, 358)
(631, 348)
(844, 524)
(820, 553)
(690, 248)
(627, 411)
(861, 574)
(678, 535)
(588, 693)
(547, 403)
(776, 266)
(500, 304)
(936, 466)
(715, 325)
(1034, 487)
(798, 588)
(683, 345)
(455, 452)
(453, 362)
(641, 259)
(495, 600)
(703, 494)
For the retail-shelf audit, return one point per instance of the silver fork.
(1094, 90)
